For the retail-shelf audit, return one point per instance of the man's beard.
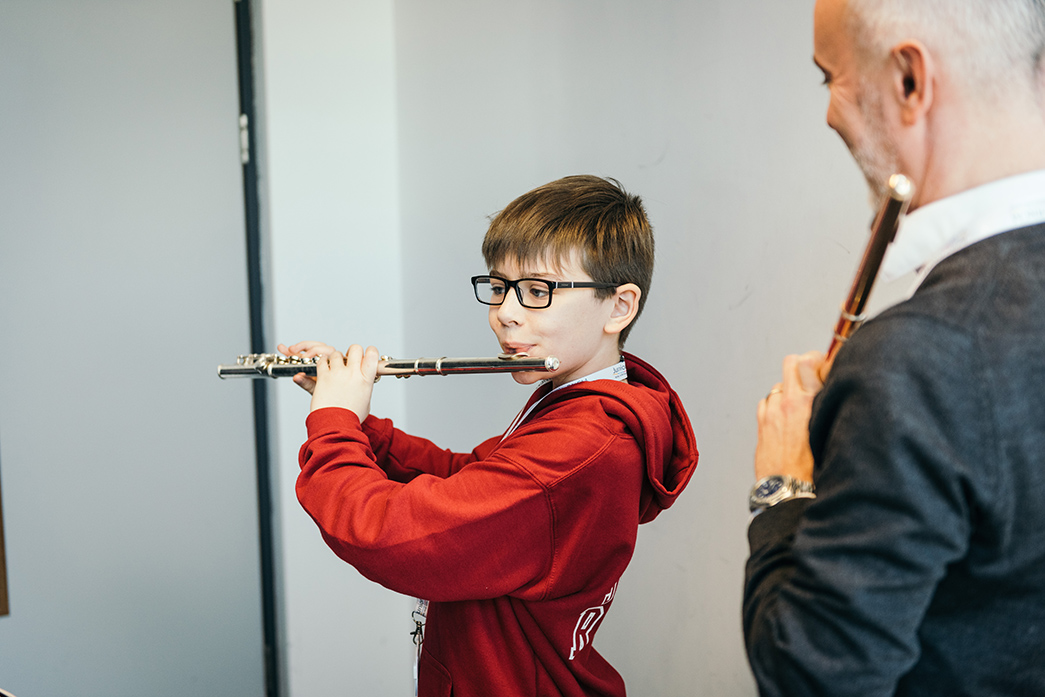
(876, 154)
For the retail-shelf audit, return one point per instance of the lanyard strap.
(419, 616)
(617, 372)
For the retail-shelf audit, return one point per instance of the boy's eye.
(537, 290)
(496, 288)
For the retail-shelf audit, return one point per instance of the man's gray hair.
(990, 45)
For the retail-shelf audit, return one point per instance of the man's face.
(855, 110)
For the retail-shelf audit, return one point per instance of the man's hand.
(346, 381)
(783, 419)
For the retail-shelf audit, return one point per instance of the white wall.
(330, 190)
(711, 110)
(130, 503)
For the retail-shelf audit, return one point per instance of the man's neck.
(980, 148)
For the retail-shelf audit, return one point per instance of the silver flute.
(274, 365)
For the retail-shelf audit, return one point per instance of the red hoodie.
(520, 543)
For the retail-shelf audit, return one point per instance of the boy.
(518, 545)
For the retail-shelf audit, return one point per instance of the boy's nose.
(511, 309)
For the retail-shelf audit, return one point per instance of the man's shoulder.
(994, 259)
(964, 292)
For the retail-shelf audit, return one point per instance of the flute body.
(883, 230)
(272, 365)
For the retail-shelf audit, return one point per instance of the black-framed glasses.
(534, 293)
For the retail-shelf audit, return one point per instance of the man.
(898, 542)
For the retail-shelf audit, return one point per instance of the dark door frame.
(252, 209)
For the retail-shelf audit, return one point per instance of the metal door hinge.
(244, 139)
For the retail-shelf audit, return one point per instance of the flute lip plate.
(551, 363)
(900, 187)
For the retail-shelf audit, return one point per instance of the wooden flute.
(883, 230)
(274, 365)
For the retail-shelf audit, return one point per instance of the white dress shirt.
(939, 229)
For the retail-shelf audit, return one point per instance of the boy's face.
(572, 328)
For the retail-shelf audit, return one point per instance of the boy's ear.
(625, 307)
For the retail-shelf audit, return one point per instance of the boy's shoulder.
(645, 409)
(623, 427)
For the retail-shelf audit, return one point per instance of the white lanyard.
(419, 616)
(614, 372)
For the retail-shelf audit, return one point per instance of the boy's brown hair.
(595, 216)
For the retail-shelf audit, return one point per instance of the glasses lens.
(489, 291)
(535, 293)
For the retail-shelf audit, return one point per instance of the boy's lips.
(513, 349)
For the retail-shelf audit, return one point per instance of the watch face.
(769, 487)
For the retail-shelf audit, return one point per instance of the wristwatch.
(769, 491)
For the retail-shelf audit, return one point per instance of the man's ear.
(911, 80)
(625, 308)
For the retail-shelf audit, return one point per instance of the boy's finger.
(325, 362)
(305, 382)
(371, 359)
(354, 355)
(309, 348)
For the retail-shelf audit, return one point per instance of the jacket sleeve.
(837, 587)
(491, 519)
(403, 456)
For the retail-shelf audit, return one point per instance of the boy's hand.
(346, 381)
(305, 349)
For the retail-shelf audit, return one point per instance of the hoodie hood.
(654, 415)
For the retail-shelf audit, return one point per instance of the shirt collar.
(939, 229)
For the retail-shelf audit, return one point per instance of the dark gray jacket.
(919, 569)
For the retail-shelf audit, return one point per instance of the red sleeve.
(491, 519)
(403, 456)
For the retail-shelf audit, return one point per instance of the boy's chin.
(529, 377)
